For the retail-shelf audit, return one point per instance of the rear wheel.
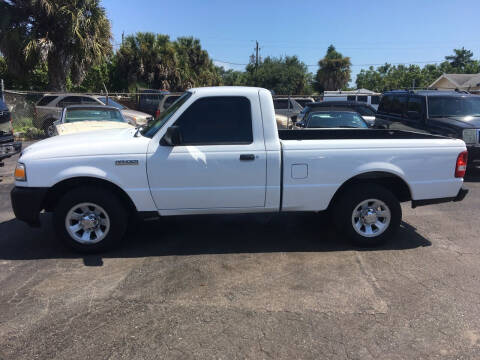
(368, 214)
(90, 219)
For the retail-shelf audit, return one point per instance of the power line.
(379, 64)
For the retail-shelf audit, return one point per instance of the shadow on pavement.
(193, 235)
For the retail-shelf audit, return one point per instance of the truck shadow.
(197, 235)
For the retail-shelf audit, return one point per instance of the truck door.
(220, 162)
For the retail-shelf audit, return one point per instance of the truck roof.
(226, 90)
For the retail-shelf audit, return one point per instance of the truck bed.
(334, 134)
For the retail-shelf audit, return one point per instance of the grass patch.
(24, 126)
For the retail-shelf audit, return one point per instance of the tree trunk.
(58, 69)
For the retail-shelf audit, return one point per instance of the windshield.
(111, 103)
(152, 128)
(453, 106)
(337, 119)
(74, 115)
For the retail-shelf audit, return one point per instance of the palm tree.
(334, 72)
(152, 60)
(69, 35)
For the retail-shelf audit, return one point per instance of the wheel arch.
(391, 181)
(55, 192)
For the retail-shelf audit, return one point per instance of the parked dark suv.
(448, 113)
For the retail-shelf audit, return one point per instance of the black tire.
(352, 197)
(104, 198)
(46, 125)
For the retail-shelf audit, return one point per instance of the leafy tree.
(388, 76)
(195, 66)
(231, 77)
(334, 72)
(461, 59)
(152, 60)
(37, 78)
(286, 75)
(69, 36)
(95, 79)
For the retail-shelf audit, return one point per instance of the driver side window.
(217, 120)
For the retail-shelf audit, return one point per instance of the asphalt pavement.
(236, 287)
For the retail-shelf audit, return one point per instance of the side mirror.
(413, 114)
(294, 118)
(300, 124)
(172, 137)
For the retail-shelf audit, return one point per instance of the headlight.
(20, 172)
(470, 136)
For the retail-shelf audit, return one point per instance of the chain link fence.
(34, 111)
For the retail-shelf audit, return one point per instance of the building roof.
(462, 81)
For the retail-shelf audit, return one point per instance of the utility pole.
(256, 60)
(123, 36)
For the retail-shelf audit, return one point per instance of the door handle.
(247, 157)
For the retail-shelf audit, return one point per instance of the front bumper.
(460, 196)
(27, 203)
(8, 149)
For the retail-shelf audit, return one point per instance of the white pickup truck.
(217, 151)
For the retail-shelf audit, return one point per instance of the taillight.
(157, 113)
(461, 167)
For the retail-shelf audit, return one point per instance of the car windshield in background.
(47, 99)
(154, 126)
(337, 119)
(111, 103)
(74, 115)
(453, 106)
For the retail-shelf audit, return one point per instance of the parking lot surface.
(276, 286)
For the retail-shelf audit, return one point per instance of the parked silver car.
(81, 118)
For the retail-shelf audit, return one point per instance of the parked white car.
(83, 118)
(49, 109)
(368, 97)
(217, 151)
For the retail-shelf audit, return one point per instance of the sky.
(370, 32)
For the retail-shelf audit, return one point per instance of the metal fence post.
(2, 90)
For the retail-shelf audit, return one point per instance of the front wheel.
(90, 219)
(368, 214)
